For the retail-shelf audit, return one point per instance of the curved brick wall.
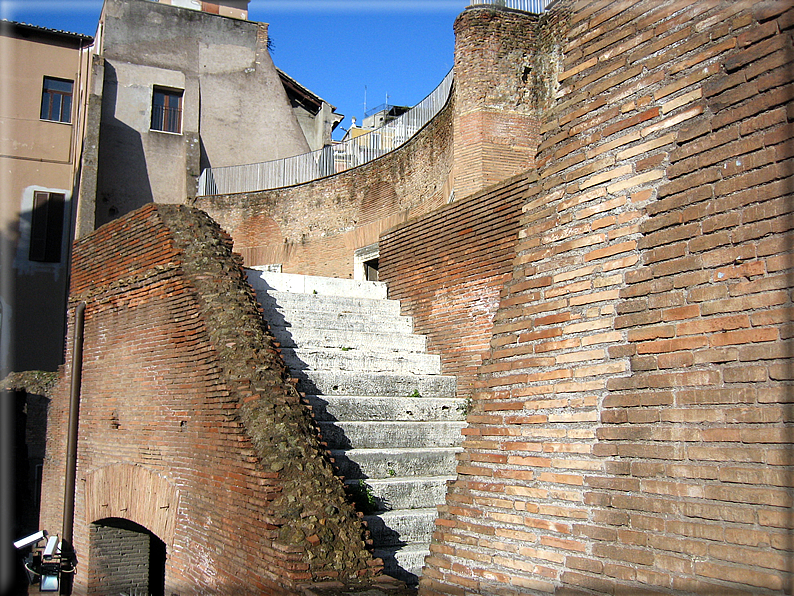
(314, 228)
(496, 126)
(631, 433)
(188, 424)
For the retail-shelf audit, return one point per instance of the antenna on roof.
(365, 99)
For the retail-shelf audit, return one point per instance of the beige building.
(43, 77)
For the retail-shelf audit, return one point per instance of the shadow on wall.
(24, 426)
(123, 178)
(8, 241)
(204, 160)
(33, 263)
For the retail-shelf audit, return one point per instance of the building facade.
(183, 90)
(43, 82)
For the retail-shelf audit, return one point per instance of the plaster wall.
(233, 102)
(317, 128)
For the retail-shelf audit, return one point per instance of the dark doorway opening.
(126, 558)
(371, 270)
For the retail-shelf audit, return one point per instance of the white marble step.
(374, 341)
(413, 492)
(390, 462)
(373, 435)
(361, 360)
(323, 382)
(372, 408)
(261, 279)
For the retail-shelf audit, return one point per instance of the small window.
(371, 270)
(56, 100)
(46, 227)
(167, 110)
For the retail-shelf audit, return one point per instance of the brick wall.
(448, 269)
(631, 430)
(315, 228)
(188, 424)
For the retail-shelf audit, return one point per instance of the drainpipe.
(68, 558)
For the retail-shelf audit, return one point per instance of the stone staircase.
(390, 419)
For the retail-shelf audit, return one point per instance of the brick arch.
(134, 493)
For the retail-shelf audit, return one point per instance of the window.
(56, 100)
(167, 110)
(46, 227)
(371, 270)
(366, 262)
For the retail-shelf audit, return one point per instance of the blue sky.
(336, 48)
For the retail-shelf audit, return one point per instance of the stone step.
(375, 384)
(408, 409)
(404, 563)
(398, 528)
(372, 435)
(392, 463)
(338, 321)
(414, 492)
(261, 279)
(286, 303)
(361, 360)
(376, 341)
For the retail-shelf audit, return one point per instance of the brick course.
(495, 128)
(121, 562)
(449, 266)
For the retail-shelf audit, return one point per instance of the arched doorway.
(126, 558)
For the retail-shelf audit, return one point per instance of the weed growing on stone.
(363, 498)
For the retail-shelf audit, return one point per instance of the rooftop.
(25, 28)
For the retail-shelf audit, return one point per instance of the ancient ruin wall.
(631, 432)
(496, 128)
(188, 424)
(448, 269)
(315, 228)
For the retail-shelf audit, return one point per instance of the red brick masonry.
(632, 429)
(188, 424)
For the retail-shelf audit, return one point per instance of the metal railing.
(534, 6)
(329, 160)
